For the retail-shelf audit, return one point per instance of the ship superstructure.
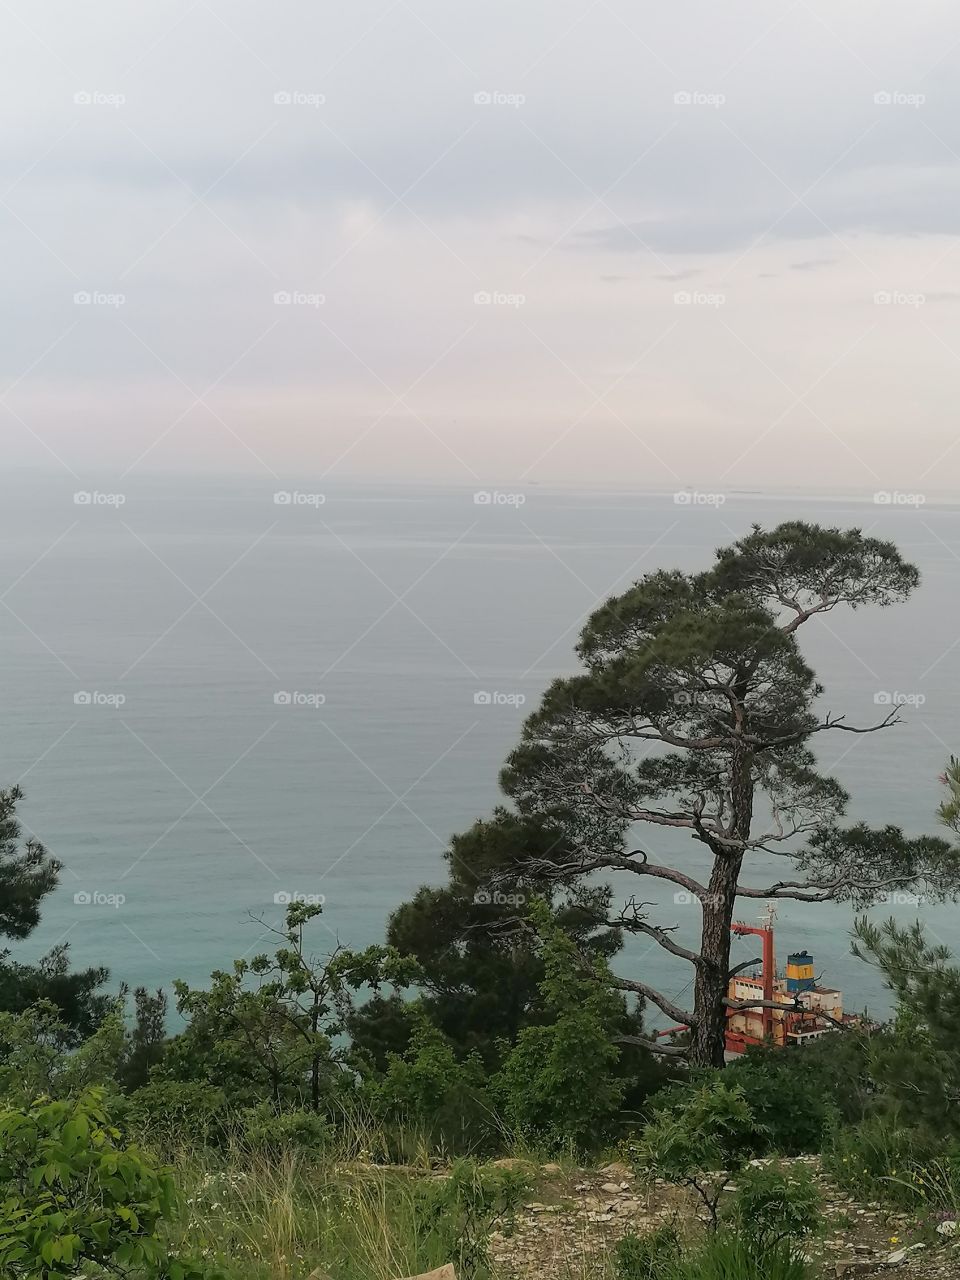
(791, 1008)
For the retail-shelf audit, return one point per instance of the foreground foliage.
(73, 1194)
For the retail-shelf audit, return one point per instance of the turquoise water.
(382, 612)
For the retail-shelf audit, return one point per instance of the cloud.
(401, 159)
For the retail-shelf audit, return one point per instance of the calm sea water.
(381, 614)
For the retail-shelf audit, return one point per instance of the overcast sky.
(719, 242)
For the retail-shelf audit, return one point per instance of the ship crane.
(765, 932)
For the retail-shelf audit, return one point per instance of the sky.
(554, 241)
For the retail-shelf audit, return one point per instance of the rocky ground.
(570, 1228)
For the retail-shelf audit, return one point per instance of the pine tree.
(696, 712)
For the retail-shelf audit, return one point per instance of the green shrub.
(428, 1094)
(559, 1083)
(772, 1206)
(457, 1213)
(653, 1256)
(171, 1112)
(791, 1094)
(698, 1138)
(74, 1196)
(265, 1129)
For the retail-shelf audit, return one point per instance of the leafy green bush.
(699, 1138)
(428, 1093)
(73, 1195)
(791, 1094)
(265, 1129)
(560, 1081)
(724, 1255)
(38, 1056)
(173, 1111)
(772, 1206)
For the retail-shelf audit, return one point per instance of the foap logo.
(297, 298)
(94, 898)
(697, 98)
(497, 98)
(287, 897)
(97, 98)
(694, 498)
(898, 98)
(294, 698)
(684, 898)
(902, 898)
(97, 298)
(482, 698)
(684, 298)
(294, 498)
(898, 498)
(484, 298)
(298, 98)
(85, 698)
(885, 698)
(496, 898)
(691, 698)
(497, 498)
(94, 498)
(897, 298)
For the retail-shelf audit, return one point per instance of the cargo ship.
(796, 1008)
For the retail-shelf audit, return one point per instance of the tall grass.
(265, 1215)
(887, 1162)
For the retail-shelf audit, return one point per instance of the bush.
(266, 1130)
(791, 1094)
(75, 1196)
(560, 1081)
(722, 1256)
(170, 1112)
(444, 1101)
(698, 1138)
(771, 1206)
(457, 1213)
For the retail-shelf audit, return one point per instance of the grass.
(286, 1216)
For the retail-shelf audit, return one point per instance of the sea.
(220, 694)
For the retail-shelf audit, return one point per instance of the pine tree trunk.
(712, 980)
(707, 1039)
